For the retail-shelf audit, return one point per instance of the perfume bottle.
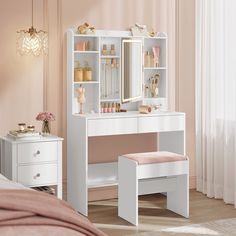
(104, 50)
(113, 107)
(105, 108)
(147, 59)
(113, 51)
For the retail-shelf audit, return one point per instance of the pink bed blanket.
(27, 212)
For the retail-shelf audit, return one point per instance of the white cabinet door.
(152, 124)
(112, 126)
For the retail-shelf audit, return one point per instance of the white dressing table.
(129, 83)
(81, 176)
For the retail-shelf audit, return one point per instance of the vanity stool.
(152, 172)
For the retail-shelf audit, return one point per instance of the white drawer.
(162, 123)
(37, 152)
(113, 126)
(33, 175)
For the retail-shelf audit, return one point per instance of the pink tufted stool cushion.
(155, 157)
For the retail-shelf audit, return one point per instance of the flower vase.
(45, 128)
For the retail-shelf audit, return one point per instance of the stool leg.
(178, 200)
(128, 190)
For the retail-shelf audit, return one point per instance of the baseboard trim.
(192, 182)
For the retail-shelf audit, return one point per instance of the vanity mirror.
(131, 70)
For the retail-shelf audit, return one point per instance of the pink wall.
(185, 74)
(21, 78)
(28, 84)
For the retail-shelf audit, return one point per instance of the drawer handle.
(37, 153)
(37, 176)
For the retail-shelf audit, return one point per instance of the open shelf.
(105, 87)
(89, 52)
(86, 82)
(154, 68)
(154, 98)
(110, 100)
(102, 183)
(109, 57)
(102, 174)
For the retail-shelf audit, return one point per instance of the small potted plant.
(45, 117)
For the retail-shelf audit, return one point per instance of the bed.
(24, 211)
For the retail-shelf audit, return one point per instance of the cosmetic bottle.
(104, 50)
(105, 108)
(147, 59)
(113, 107)
(87, 75)
(109, 107)
(101, 108)
(156, 54)
(117, 107)
(78, 73)
(113, 51)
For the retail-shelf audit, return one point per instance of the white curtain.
(216, 98)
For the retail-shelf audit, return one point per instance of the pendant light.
(32, 41)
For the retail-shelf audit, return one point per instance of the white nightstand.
(33, 162)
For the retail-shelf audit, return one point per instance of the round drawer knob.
(36, 153)
(37, 175)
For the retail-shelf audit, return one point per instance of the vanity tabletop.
(127, 114)
(48, 138)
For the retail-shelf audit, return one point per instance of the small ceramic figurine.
(139, 30)
(152, 33)
(81, 98)
(86, 29)
(153, 85)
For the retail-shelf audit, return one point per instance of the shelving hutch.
(97, 61)
(104, 174)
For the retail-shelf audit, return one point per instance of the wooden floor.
(153, 216)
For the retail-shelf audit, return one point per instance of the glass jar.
(78, 73)
(22, 127)
(87, 75)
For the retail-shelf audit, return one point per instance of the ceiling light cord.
(32, 12)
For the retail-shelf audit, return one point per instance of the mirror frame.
(138, 98)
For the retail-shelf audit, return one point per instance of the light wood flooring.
(153, 216)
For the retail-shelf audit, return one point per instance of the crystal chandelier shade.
(32, 41)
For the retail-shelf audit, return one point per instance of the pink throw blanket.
(23, 212)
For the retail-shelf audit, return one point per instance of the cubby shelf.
(108, 57)
(102, 183)
(154, 98)
(86, 82)
(110, 100)
(154, 68)
(106, 77)
(86, 52)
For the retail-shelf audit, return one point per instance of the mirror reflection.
(131, 70)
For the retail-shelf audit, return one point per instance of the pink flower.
(45, 116)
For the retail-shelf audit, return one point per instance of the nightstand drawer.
(37, 174)
(37, 152)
